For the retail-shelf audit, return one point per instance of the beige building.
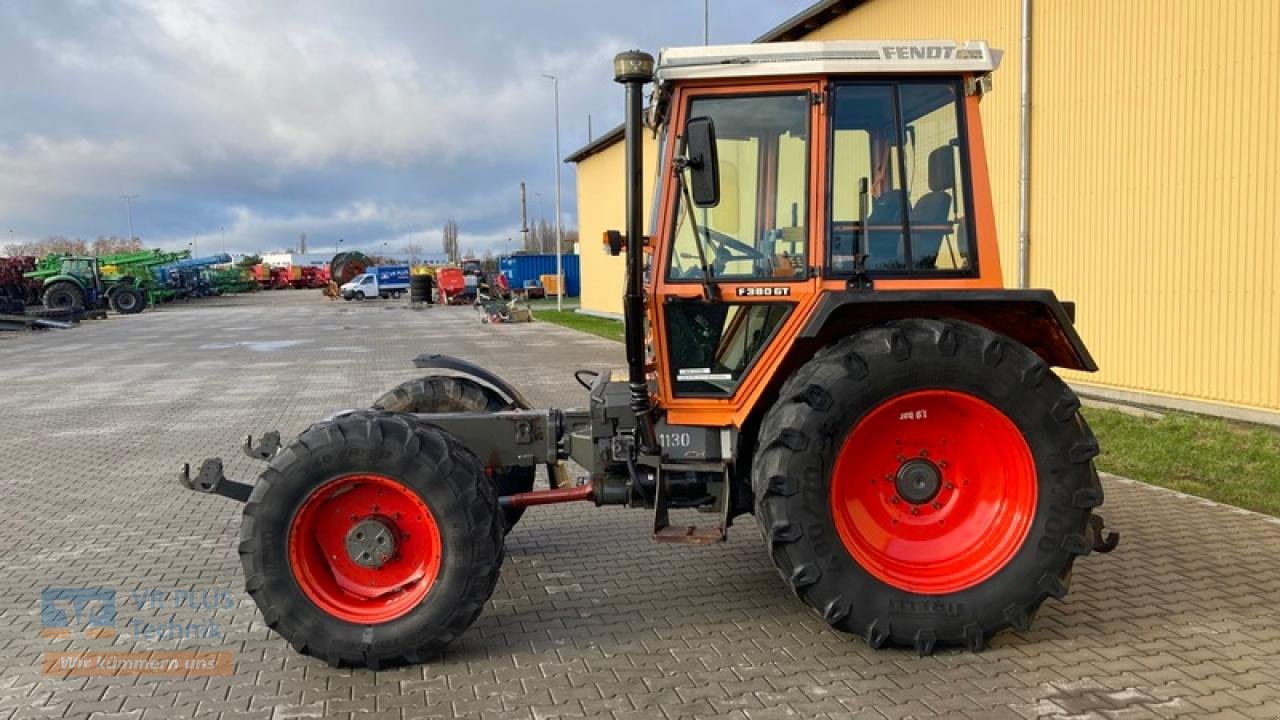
(1154, 187)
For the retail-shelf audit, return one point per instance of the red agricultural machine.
(816, 334)
(16, 290)
(308, 277)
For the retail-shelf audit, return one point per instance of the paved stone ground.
(591, 618)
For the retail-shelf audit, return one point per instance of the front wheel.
(128, 301)
(371, 541)
(926, 483)
(359, 295)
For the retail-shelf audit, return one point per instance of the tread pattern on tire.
(374, 441)
(802, 433)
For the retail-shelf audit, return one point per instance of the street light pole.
(128, 203)
(223, 228)
(555, 85)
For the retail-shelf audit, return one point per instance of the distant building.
(298, 259)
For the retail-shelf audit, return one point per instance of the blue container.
(523, 269)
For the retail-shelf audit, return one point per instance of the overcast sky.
(372, 121)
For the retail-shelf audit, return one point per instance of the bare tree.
(112, 245)
(51, 244)
(541, 238)
(450, 238)
(413, 250)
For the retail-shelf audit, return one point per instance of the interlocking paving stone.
(590, 618)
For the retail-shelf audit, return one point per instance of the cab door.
(732, 281)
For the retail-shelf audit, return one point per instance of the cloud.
(363, 121)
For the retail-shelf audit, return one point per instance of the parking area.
(590, 617)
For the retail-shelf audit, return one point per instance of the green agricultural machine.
(124, 282)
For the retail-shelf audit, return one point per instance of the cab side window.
(902, 143)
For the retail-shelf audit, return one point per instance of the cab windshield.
(758, 228)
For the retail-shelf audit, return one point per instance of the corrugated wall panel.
(1155, 177)
(1155, 184)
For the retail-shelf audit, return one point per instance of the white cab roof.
(823, 58)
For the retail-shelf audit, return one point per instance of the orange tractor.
(816, 334)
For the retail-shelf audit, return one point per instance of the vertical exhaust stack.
(633, 69)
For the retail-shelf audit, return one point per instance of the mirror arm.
(709, 289)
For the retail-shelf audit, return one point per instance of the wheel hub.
(370, 543)
(918, 481)
(365, 548)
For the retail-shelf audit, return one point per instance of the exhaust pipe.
(633, 69)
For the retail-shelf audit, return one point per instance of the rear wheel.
(926, 483)
(62, 295)
(371, 541)
(445, 394)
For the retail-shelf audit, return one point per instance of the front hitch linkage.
(211, 480)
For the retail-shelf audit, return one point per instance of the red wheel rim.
(933, 491)
(326, 558)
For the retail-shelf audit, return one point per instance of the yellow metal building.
(1154, 190)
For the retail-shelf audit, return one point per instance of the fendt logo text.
(918, 52)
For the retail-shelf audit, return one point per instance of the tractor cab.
(87, 269)
(792, 170)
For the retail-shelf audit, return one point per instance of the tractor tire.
(926, 483)
(62, 295)
(128, 301)
(445, 394)
(399, 510)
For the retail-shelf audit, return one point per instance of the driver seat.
(934, 208)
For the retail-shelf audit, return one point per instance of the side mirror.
(704, 166)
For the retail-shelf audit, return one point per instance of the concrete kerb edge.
(1188, 496)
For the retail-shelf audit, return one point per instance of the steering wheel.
(721, 243)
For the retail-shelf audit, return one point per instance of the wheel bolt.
(937, 505)
(924, 453)
(894, 500)
(915, 511)
(951, 486)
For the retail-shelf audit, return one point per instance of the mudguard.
(1035, 318)
(436, 361)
